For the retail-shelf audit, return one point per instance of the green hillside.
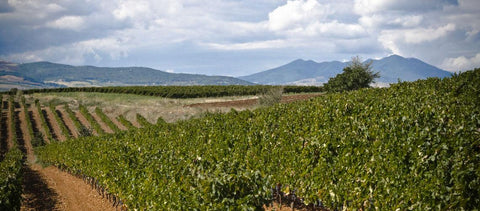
(49, 74)
(413, 146)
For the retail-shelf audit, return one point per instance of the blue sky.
(238, 37)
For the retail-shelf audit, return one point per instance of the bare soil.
(101, 123)
(68, 122)
(54, 124)
(27, 144)
(117, 123)
(85, 122)
(135, 123)
(51, 189)
(38, 123)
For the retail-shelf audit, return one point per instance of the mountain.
(309, 72)
(47, 74)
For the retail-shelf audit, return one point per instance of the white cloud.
(392, 39)
(461, 63)
(420, 35)
(297, 14)
(75, 23)
(268, 44)
(77, 53)
(145, 31)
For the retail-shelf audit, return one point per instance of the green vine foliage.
(125, 122)
(11, 174)
(107, 120)
(183, 91)
(413, 146)
(142, 121)
(91, 120)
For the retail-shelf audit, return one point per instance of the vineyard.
(415, 145)
(44, 124)
(183, 91)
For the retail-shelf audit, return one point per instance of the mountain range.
(298, 72)
(391, 69)
(47, 74)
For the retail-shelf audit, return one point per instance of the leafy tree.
(355, 76)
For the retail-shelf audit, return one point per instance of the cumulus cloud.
(75, 23)
(297, 14)
(461, 63)
(250, 33)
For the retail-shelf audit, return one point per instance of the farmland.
(415, 145)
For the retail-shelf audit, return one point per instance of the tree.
(355, 76)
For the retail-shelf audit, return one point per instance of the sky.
(238, 37)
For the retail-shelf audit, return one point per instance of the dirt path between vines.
(68, 122)
(117, 123)
(85, 122)
(38, 123)
(26, 136)
(102, 124)
(51, 189)
(54, 124)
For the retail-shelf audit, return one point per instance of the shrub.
(355, 76)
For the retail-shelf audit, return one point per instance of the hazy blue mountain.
(296, 71)
(47, 74)
(396, 67)
(391, 69)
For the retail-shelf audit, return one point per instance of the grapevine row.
(413, 146)
(11, 173)
(60, 122)
(44, 123)
(125, 122)
(183, 91)
(27, 118)
(74, 118)
(90, 119)
(142, 121)
(107, 120)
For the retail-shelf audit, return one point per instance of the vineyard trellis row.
(183, 91)
(11, 173)
(96, 126)
(414, 145)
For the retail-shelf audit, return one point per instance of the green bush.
(355, 76)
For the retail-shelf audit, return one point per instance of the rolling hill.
(309, 72)
(47, 74)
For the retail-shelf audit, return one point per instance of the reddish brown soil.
(53, 122)
(135, 123)
(26, 136)
(117, 123)
(51, 189)
(38, 123)
(68, 122)
(85, 122)
(101, 123)
(252, 102)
